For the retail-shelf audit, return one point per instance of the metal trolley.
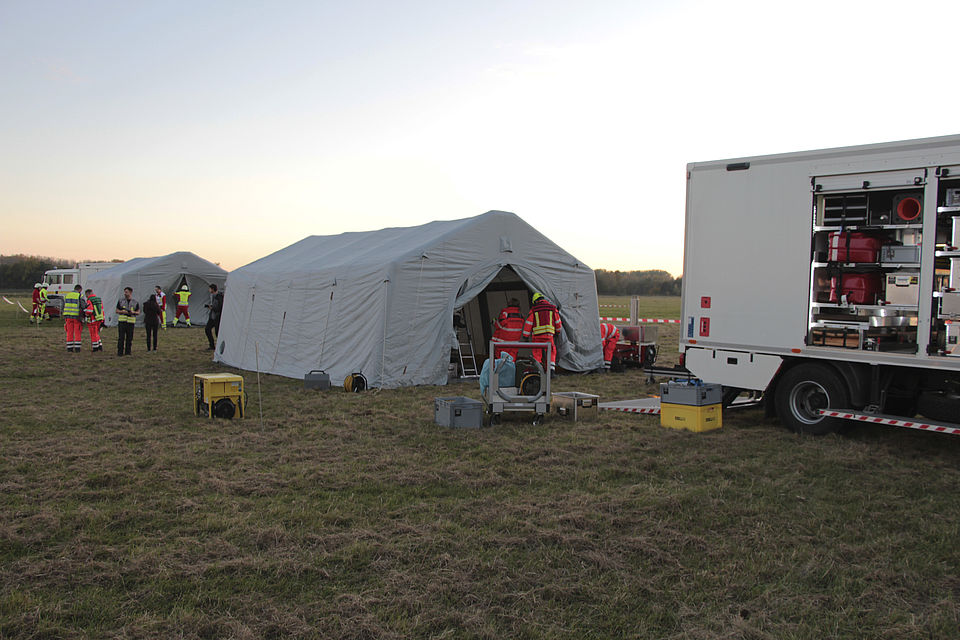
(501, 399)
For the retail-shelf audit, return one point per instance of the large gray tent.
(382, 302)
(169, 271)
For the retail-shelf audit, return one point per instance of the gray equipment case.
(899, 254)
(694, 395)
(316, 379)
(458, 411)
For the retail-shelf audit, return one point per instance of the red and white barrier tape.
(7, 300)
(911, 424)
(648, 410)
(643, 320)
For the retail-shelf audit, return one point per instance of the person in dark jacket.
(151, 320)
(213, 320)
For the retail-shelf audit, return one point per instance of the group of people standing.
(79, 310)
(88, 309)
(542, 324)
(39, 311)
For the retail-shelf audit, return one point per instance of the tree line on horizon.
(653, 282)
(22, 271)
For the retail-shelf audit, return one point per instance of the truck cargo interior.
(865, 268)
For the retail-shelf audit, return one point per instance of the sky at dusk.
(232, 129)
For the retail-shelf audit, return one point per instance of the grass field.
(355, 516)
(648, 307)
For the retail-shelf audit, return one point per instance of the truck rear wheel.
(939, 406)
(803, 391)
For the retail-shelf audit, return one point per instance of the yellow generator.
(218, 395)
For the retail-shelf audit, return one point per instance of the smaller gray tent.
(143, 274)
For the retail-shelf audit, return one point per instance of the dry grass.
(355, 516)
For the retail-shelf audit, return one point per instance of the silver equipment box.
(953, 340)
(458, 411)
(950, 304)
(576, 406)
(903, 288)
(694, 395)
(952, 198)
(900, 254)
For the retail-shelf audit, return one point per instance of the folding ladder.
(468, 361)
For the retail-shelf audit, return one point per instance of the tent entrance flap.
(480, 311)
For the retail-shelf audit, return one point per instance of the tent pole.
(256, 347)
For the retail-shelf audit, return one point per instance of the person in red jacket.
(36, 313)
(541, 325)
(162, 301)
(93, 313)
(508, 328)
(609, 336)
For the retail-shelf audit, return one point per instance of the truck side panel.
(746, 259)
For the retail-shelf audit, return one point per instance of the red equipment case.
(860, 288)
(859, 247)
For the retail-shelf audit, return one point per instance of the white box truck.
(62, 280)
(829, 281)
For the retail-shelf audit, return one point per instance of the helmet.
(537, 296)
(44, 285)
(36, 286)
(183, 288)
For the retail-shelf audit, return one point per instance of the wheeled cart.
(532, 384)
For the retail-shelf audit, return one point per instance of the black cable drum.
(224, 408)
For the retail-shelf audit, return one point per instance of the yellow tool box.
(218, 395)
(693, 418)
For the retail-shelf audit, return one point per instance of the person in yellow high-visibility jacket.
(542, 324)
(72, 302)
(43, 302)
(183, 305)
